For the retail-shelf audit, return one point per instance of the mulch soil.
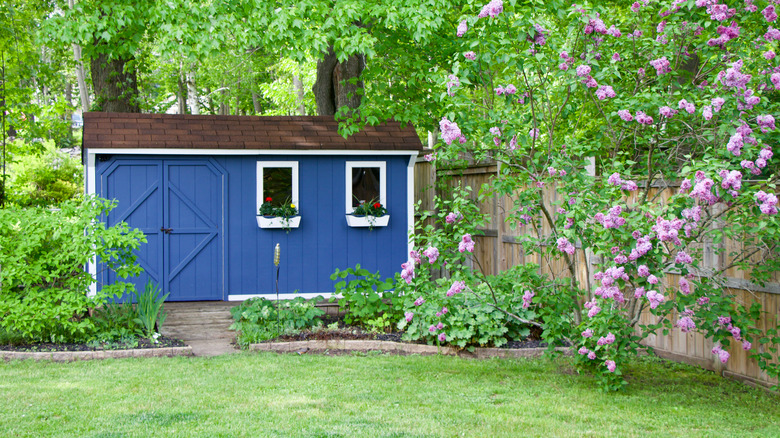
(162, 342)
(350, 333)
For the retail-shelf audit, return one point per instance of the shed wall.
(322, 243)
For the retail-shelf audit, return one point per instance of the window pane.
(365, 185)
(277, 184)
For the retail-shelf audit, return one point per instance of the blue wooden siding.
(322, 243)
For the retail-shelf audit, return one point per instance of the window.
(277, 180)
(365, 181)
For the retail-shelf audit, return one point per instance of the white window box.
(278, 222)
(367, 221)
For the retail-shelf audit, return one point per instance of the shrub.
(259, 319)
(367, 300)
(43, 284)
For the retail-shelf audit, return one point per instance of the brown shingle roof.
(129, 130)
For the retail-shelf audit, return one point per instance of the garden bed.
(67, 352)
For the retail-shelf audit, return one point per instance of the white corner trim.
(90, 189)
(295, 182)
(258, 152)
(410, 202)
(382, 165)
(272, 296)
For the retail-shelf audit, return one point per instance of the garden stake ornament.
(277, 255)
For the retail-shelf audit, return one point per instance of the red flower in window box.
(268, 199)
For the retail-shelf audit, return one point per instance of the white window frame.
(295, 182)
(382, 165)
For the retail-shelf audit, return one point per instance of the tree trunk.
(324, 94)
(299, 88)
(256, 104)
(116, 84)
(192, 93)
(181, 93)
(81, 76)
(333, 88)
(69, 111)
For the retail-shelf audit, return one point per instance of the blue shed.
(194, 185)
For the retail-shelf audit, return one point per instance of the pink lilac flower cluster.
(769, 55)
(466, 243)
(611, 366)
(733, 77)
(643, 118)
(608, 289)
(727, 33)
(596, 25)
(470, 55)
(456, 288)
(766, 123)
(661, 65)
(604, 92)
(442, 312)
(702, 191)
(462, 28)
(747, 100)
(583, 70)
(614, 31)
(612, 219)
(654, 298)
(735, 144)
(453, 83)
(453, 217)
(450, 131)
(732, 181)
(750, 7)
(719, 12)
(683, 257)
(768, 202)
(587, 333)
(685, 286)
(686, 324)
(565, 246)
(567, 61)
(409, 316)
(687, 106)
(643, 246)
(722, 354)
(593, 308)
(666, 111)
(772, 34)
(528, 296)
(616, 57)
(430, 157)
(769, 13)
(492, 9)
(668, 230)
(509, 89)
(432, 253)
(419, 301)
(606, 340)
(625, 115)
(407, 271)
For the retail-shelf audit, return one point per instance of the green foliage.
(43, 284)
(259, 319)
(370, 208)
(115, 322)
(149, 307)
(489, 314)
(367, 300)
(45, 179)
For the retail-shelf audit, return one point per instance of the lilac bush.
(672, 103)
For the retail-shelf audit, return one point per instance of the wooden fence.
(499, 248)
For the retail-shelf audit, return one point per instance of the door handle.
(166, 230)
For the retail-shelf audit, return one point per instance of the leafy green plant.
(258, 319)
(149, 306)
(286, 209)
(366, 299)
(115, 321)
(370, 208)
(43, 284)
(45, 179)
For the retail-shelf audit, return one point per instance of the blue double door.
(179, 206)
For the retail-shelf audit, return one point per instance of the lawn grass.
(270, 395)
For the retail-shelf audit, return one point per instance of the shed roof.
(184, 131)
